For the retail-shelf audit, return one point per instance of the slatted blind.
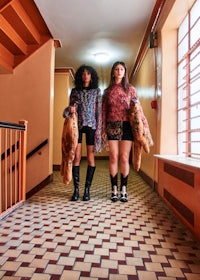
(189, 84)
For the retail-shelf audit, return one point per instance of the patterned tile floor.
(51, 237)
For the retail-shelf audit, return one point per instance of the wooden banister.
(13, 145)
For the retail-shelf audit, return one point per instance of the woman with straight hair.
(116, 129)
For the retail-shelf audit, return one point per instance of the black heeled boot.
(88, 182)
(124, 181)
(114, 194)
(75, 175)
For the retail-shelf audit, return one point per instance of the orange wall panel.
(28, 94)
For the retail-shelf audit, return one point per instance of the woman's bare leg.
(124, 155)
(90, 155)
(113, 168)
(77, 158)
(113, 156)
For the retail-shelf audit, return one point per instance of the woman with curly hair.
(85, 99)
(116, 128)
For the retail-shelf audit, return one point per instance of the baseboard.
(143, 175)
(148, 180)
(56, 167)
(45, 182)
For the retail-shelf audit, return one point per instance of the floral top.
(89, 109)
(116, 103)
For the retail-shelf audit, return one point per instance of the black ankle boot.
(114, 194)
(88, 182)
(75, 174)
(124, 181)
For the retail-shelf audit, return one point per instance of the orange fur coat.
(69, 144)
(141, 132)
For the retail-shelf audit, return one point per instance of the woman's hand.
(105, 141)
(73, 109)
(69, 110)
(104, 136)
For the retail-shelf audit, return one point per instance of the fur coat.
(141, 132)
(69, 144)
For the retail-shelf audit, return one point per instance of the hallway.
(51, 237)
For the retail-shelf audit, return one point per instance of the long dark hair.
(124, 82)
(78, 77)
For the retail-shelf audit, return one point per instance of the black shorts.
(126, 132)
(89, 135)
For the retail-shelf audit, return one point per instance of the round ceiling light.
(101, 57)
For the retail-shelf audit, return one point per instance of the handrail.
(35, 150)
(45, 142)
(12, 125)
(20, 127)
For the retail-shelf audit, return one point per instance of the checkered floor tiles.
(51, 237)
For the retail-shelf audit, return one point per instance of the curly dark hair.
(125, 81)
(78, 77)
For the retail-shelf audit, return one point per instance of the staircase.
(22, 32)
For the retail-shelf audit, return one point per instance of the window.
(189, 84)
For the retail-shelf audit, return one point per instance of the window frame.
(187, 146)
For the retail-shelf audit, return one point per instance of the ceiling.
(87, 27)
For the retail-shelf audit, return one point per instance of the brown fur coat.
(141, 132)
(69, 144)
